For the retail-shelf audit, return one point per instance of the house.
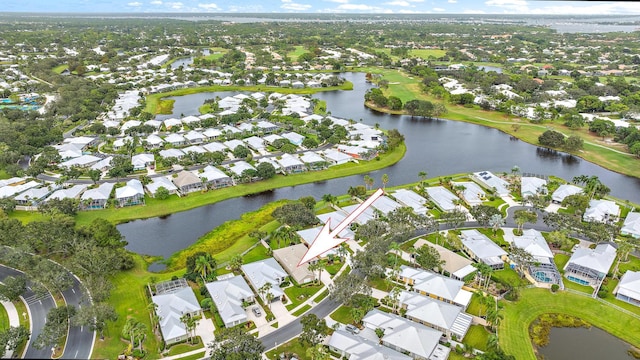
(269, 139)
(239, 167)
(69, 193)
(532, 186)
(130, 124)
(293, 137)
(102, 165)
(628, 288)
(289, 257)
(492, 182)
(471, 193)
(255, 143)
(435, 286)
(590, 266)
(141, 161)
(130, 194)
(194, 137)
(196, 149)
(171, 153)
(541, 267)
(406, 336)
(457, 266)
(601, 211)
(385, 205)
(266, 127)
(355, 347)
(215, 146)
(11, 190)
(411, 199)
(175, 139)
(439, 315)
(171, 306)
(358, 152)
(233, 144)
(212, 134)
(33, 196)
(313, 161)
(480, 248)
(187, 182)
(172, 122)
(229, 295)
(265, 271)
(631, 225)
(563, 191)
(443, 198)
(84, 142)
(290, 164)
(189, 120)
(334, 157)
(153, 142)
(247, 128)
(81, 161)
(97, 198)
(215, 178)
(158, 182)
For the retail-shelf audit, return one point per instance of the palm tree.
(395, 247)
(236, 262)
(369, 181)
(313, 266)
(484, 271)
(385, 180)
(204, 266)
(155, 319)
(423, 176)
(266, 289)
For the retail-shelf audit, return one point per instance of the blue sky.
(329, 6)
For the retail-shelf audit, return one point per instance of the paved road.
(293, 329)
(38, 309)
(81, 338)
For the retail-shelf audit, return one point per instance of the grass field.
(216, 53)
(299, 50)
(299, 294)
(427, 53)
(60, 68)
(302, 310)
(514, 329)
(293, 346)
(4, 319)
(477, 337)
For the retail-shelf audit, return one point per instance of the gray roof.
(102, 192)
(472, 192)
(435, 312)
(240, 166)
(255, 142)
(385, 204)
(442, 197)
(171, 307)
(631, 225)
(265, 271)
(534, 243)
(215, 146)
(161, 181)
(480, 245)
(35, 194)
(565, 190)
(531, 185)
(599, 259)
(228, 295)
(177, 153)
(491, 181)
(432, 283)
(132, 188)
(70, 193)
(629, 285)
(412, 199)
(599, 210)
(362, 348)
(213, 173)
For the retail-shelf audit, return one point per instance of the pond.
(439, 147)
(584, 344)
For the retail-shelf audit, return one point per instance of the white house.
(491, 181)
(175, 139)
(215, 177)
(563, 191)
(141, 161)
(69, 193)
(601, 211)
(631, 225)
(335, 157)
(355, 347)
(628, 288)
(435, 286)
(472, 194)
(532, 186)
(171, 307)
(97, 198)
(266, 271)
(443, 198)
(439, 315)
(229, 295)
(412, 199)
(590, 266)
(293, 137)
(159, 182)
(542, 267)
(480, 248)
(130, 194)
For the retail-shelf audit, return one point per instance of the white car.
(352, 329)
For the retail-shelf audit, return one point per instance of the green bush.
(555, 287)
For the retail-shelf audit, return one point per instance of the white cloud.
(290, 5)
(473, 11)
(439, 9)
(452, 1)
(209, 6)
(156, 2)
(175, 5)
(416, 1)
(398, 3)
(135, 4)
(506, 3)
(586, 8)
(339, 1)
(361, 7)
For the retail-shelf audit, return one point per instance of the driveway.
(259, 321)
(205, 329)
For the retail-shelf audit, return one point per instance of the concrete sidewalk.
(14, 319)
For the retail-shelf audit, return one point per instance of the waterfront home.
(293, 137)
(406, 336)
(492, 182)
(230, 293)
(385, 205)
(439, 315)
(541, 267)
(34, 195)
(194, 137)
(158, 182)
(480, 248)
(411, 199)
(313, 161)
(628, 288)
(187, 182)
(358, 152)
(563, 191)
(290, 164)
(69, 193)
(601, 211)
(334, 157)
(266, 271)
(590, 266)
(443, 198)
(130, 194)
(457, 266)
(631, 226)
(172, 122)
(214, 177)
(356, 347)
(141, 161)
(171, 307)
(171, 153)
(435, 286)
(289, 257)
(97, 198)
(532, 186)
(190, 120)
(175, 139)
(239, 167)
(471, 193)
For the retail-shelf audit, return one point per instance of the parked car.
(352, 329)
(256, 311)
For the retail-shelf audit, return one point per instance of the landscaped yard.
(302, 310)
(185, 347)
(4, 319)
(561, 260)
(293, 346)
(299, 294)
(508, 276)
(256, 254)
(343, 315)
(477, 337)
(476, 307)
(514, 329)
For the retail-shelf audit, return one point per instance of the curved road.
(81, 338)
(38, 309)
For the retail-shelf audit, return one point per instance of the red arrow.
(326, 240)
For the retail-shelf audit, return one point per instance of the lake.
(584, 344)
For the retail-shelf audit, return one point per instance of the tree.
(135, 331)
(314, 330)
(95, 316)
(265, 289)
(308, 201)
(13, 288)
(236, 344)
(346, 286)
(522, 217)
(455, 218)
(295, 214)
(318, 352)
(368, 182)
(574, 143)
(496, 222)
(12, 338)
(395, 247)
(265, 170)
(120, 166)
(385, 180)
(205, 266)
(55, 327)
(7, 205)
(552, 138)
(236, 262)
(423, 176)
(428, 258)
(483, 214)
(162, 193)
(241, 152)
(484, 271)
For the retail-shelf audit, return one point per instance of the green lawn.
(216, 53)
(321, 297)
(561, 260)
(60, 68)
(477, 337)
(514, 329)
(197, 356)
(508, 276)
(343, 315)
(426, 53)
(293, 346)
(185, 347)
(302, 310)
(299, 294)
(256, 254)
(4, 319)
(334, 268)
(476, 307)
(632, 263)
(299, 50)
(4, 174)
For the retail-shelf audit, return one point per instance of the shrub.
(555, 287)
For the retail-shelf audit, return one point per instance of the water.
(584, 344)
(182, 62)
(439, 147)
(490, 68)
